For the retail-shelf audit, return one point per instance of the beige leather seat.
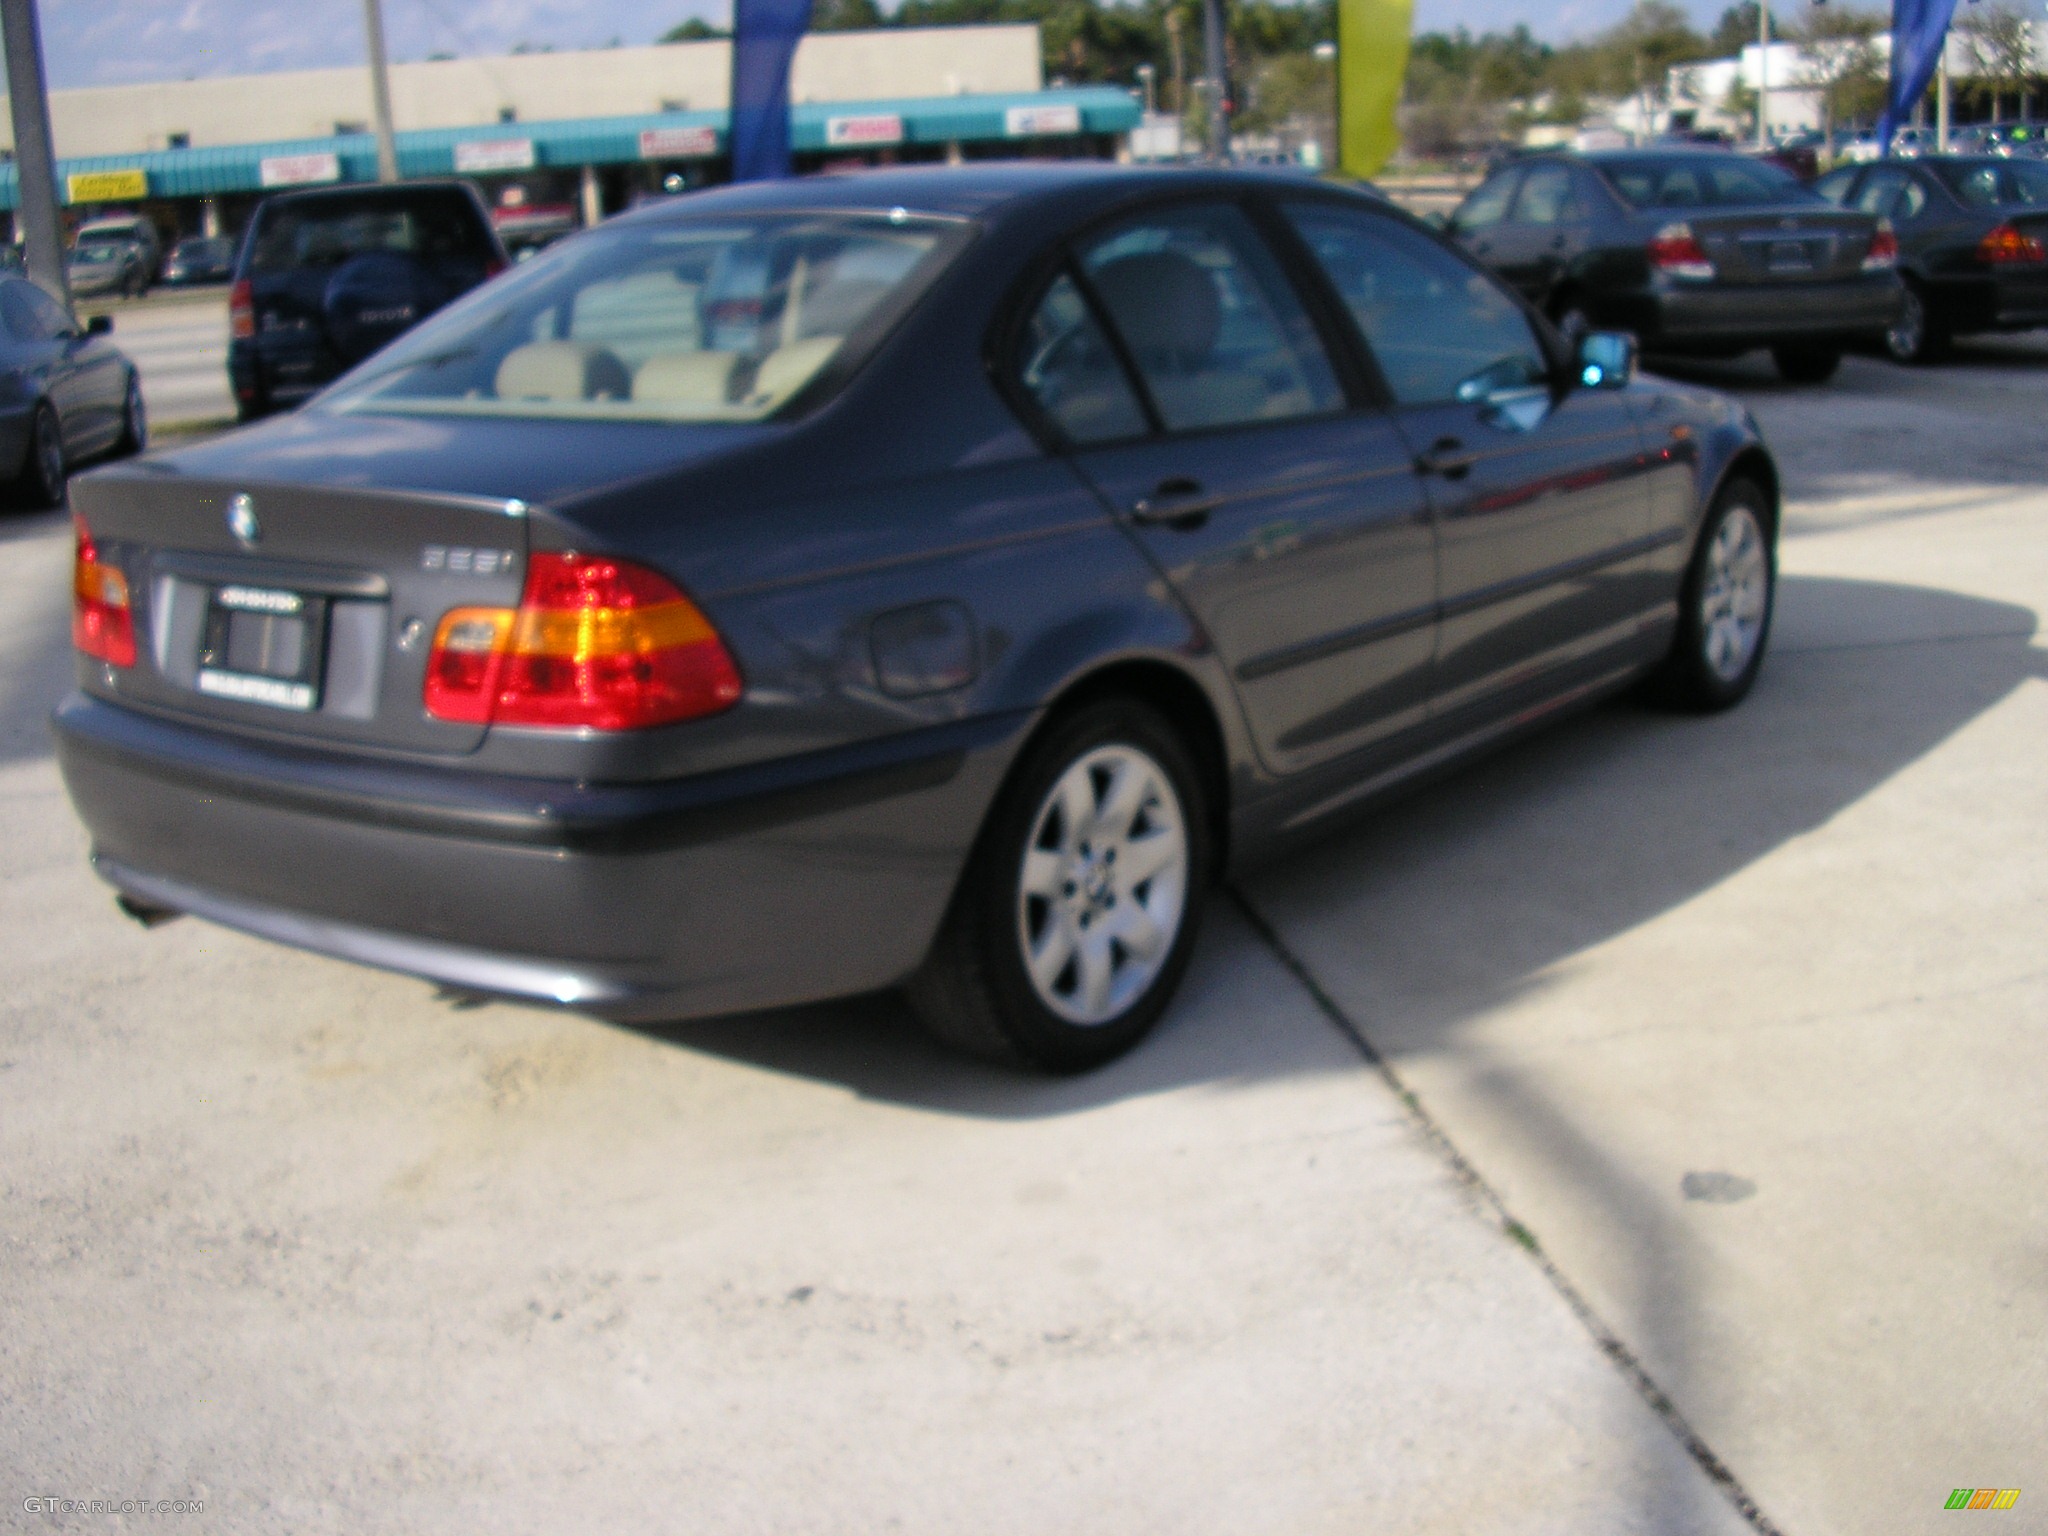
(686, 378)
(563, 370)
(787, 369)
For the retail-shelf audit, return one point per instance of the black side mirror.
(99, 325)
(1606, 360)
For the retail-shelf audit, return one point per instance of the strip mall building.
(585, 132)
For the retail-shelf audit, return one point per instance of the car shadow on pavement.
(1479, 883)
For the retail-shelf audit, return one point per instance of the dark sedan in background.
(200, 259)
(1697, 252)
(931, 577)
(1973, 243)
(66, 393)
(326, 277)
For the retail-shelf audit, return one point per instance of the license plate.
(1789, 256)
(263, 646)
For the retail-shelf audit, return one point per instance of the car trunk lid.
(1788, 245)
(297, 610)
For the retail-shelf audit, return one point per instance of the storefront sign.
(862, 132)
(298, 170)
(473, 155)
(1042, 122)
(106, 186)
(678, 143)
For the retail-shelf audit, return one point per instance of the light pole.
(35, 163)
(1147, 77)
(1219, 78)
(1763, 74)
(380, 91)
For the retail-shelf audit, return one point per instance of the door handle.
(1447, 456)
(1177, 503)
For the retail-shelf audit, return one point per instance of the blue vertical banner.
(764, 38)
(1919, 29)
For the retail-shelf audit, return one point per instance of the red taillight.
(102, 624)
(1883, 254)
(2008, 246)
(595, 643)
(1676, 251)
(242, 311)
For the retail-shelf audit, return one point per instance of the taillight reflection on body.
(595, 643)
(102, 623)
(1677, 250)
(242, 311)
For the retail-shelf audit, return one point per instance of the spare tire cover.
(374, 297)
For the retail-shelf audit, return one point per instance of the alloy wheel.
(1907, 337)
(1104, 884)
(1735, 595)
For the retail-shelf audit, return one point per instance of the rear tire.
(42, 478)
(1724, 606)
(1076, 916)
(134, 422)
(1806, 365)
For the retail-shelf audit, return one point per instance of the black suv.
(326, 277)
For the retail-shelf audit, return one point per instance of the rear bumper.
(279, 372)
(1716, 318)
(788, 882)
(2015, 300)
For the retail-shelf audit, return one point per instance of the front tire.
(1725, 605)
(1806, 365)
(1915, 337)
(1076, 916)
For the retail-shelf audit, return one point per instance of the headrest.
(562, 370)
(787, 369)
(687, 378)
(1164, 305)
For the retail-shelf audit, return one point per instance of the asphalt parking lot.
(1708, 1138)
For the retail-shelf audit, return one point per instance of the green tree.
(695, 30)
(1839, 57)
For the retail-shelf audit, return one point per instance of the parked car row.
(1705, 253)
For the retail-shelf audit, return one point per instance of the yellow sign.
(1372, 61)
(106, 186)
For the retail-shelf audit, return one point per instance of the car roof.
(970, 191)
(362, 189)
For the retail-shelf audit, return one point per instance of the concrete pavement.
(332, 1253)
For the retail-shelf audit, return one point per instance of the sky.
(117, 42)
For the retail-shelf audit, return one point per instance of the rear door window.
(1205, 312)
(1546, 197)
(1487, 206)
(1065, 363)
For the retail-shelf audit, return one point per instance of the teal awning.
(849, 127)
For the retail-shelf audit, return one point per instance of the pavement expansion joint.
(1610, 1344)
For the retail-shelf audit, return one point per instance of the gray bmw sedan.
(930, 578)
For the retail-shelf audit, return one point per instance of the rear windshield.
(109, 234)
(212, 249)
(712, 320)
(1995, 183)
(1702, 181)
(325, 232)
(99, 253)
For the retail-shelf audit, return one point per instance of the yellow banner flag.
(1372, 61)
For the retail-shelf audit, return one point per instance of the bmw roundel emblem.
(242, 518)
